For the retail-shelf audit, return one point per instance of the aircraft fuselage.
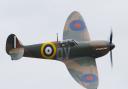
(62, 50)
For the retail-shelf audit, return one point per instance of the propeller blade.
(111, 58)
(111, 37)
(110, 43)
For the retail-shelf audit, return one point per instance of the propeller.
(111, 47)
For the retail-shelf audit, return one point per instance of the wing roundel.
(75, 28)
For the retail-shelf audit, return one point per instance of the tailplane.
(14, 48)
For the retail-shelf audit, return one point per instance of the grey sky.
(36, 21)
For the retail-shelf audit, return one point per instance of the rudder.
(14, 48)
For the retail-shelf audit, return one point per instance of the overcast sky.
(37, 21)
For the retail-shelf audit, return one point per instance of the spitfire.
(76, 51)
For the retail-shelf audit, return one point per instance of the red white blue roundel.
(89, 78)
(77, 25)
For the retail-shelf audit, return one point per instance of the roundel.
(89, 78)
(48, 50)
(77, 25)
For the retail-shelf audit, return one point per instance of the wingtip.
(75, 12)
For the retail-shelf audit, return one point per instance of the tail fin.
(14, 48)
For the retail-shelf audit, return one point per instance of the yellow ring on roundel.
(54, 50)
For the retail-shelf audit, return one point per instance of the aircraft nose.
(112, 46)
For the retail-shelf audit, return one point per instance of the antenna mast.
(57, 36)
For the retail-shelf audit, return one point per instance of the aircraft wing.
(75, 28)
(84, 69)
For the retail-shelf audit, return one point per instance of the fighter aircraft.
(76, 51)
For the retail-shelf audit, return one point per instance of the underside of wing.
(75, 28)
(84, 71)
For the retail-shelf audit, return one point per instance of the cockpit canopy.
(68, 43)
